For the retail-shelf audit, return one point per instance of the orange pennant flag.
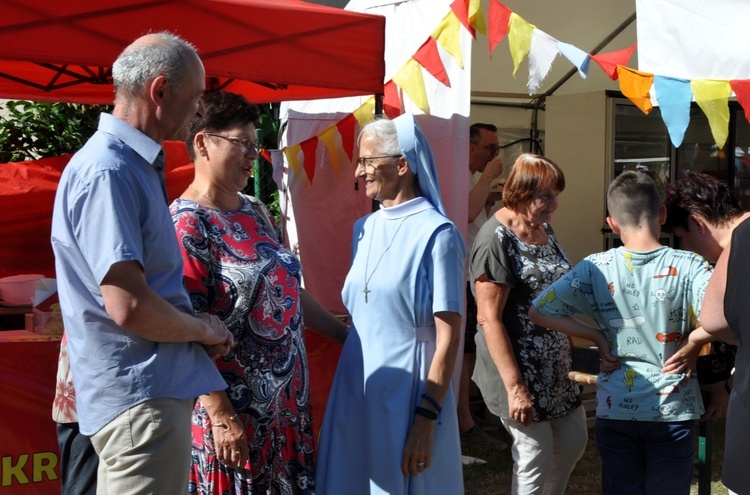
(741, 88)
(309, 149)
(635, 85)
(429, 58)
(346, 130)
(391, 101)
(609, 61)
(498, 18)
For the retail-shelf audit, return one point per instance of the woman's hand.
(519, 405)
(683, 360)
(718, 401)
(230, 441)
(418, 448)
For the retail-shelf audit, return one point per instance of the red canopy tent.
(268, 50)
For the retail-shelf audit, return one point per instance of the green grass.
(495, 476)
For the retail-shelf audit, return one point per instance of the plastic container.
(18, 290)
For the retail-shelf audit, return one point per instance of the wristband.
(432, 401)
(726, 386)
(423, 411)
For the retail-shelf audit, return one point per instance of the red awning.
(268, 50)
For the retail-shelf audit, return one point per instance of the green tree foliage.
(32, 130)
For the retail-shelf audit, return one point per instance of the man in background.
(138, 355)
(483, 151)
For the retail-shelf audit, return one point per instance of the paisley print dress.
(237, 268)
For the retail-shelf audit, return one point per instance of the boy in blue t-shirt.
(645, 297)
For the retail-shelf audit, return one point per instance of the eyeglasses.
(492, 148)
(362, 161)
(243, 142)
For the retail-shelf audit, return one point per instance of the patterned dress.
(543, 356)
(237, 268)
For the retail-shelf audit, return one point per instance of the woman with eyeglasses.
(522, 368)
(390, 425)
(256, 436)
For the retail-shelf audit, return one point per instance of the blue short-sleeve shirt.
(111, 206)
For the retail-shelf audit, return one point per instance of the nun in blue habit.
(390, 424)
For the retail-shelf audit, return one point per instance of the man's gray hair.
(385, 135)
(139, 63)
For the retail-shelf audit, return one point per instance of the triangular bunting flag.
(429, 57)
(541, 55)
(447, 35)
(577, 57)
(476, 19)
(674, 98)
(741, 90)
(309, 152)
(519, 37)
(410, 79)
(291, 152)
(712, 96)
(365, 113)
(346, 131)
(461, 9)
(498, 18)
(636, 85)
(329, 140)
(609, 61)
(391, 101)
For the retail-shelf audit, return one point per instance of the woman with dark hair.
(522, 368)
(255, 437)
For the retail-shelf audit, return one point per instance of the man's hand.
(493, 169)
(219, 340)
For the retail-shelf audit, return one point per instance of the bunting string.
(525, 40)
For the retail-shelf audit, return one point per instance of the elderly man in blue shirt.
(138, 354)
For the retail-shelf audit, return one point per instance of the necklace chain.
(207, 198)
(369, 248)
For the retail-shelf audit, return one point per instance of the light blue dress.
(410, 259)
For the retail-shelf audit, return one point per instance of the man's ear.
(613, 225)
(159, 90)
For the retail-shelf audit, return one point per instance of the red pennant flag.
(429, 58)
(391, 102)
(346, 131)
(461, 9)
(498, 19)
(741, 89)
(309, 148)
(609, 61)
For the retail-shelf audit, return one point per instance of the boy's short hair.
(631, 197)
(703, 194)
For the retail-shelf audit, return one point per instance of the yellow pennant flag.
(365, 113)
(410, 79)
(291, 152)
(519, 38)
(476, 19)
(329, 139)
(635, 85)
(447, 34)
(712, 96)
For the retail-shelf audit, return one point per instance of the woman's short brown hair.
(529, 174)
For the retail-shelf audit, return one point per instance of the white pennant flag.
(541, 55)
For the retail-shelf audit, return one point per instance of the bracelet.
(726, 386)
(219, 424)
(423, 411)
(432, 401)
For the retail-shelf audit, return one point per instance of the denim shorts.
(646, 457)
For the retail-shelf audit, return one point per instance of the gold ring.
(238, 452)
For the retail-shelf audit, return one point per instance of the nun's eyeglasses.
(365, 161)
